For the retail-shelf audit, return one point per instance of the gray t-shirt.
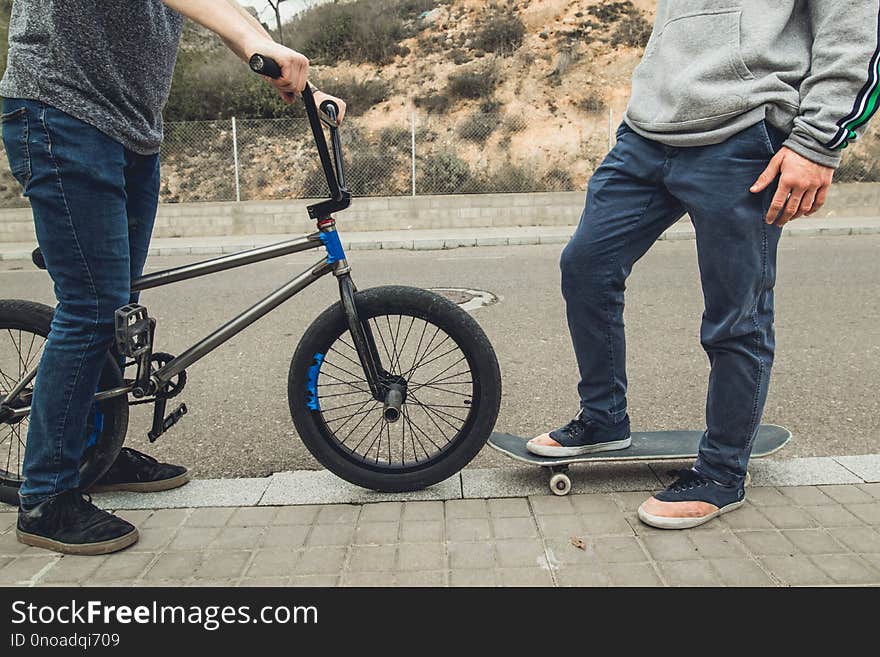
(106, 62)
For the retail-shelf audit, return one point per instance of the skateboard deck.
(646, 446)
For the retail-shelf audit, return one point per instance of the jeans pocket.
(773, 138)
(15, 140)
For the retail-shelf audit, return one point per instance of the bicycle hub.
(394, 399)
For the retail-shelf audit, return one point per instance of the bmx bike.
(391, 388)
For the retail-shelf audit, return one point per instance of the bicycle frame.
(335, 262)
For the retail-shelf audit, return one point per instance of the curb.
(322, 487)
(397, 240)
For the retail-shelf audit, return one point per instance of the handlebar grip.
(265, 66)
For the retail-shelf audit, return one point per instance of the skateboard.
(646, 446)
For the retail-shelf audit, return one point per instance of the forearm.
(840, 94)
(238, 29)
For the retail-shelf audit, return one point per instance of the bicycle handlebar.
(327, 114)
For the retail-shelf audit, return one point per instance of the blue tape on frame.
(312, 386)
(332, 243)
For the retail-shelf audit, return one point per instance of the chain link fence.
(405, 154)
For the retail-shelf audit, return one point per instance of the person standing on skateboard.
(738, 116)
(83, 95)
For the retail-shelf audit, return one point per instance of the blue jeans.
(94, 203)
(640, 190)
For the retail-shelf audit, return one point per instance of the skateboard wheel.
(560, 484)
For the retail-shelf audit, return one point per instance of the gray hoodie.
(715, 67)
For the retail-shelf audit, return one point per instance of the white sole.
(662, 522)
(562, 452)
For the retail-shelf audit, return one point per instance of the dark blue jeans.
(94, 203)
(640, 190)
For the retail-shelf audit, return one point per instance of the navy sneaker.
(581, 436)
(690, 500)
(138, 473)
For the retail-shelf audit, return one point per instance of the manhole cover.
(467, 299)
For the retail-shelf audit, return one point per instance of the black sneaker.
(581, 436)
(71, 524)
(690, 500)
(139, 473)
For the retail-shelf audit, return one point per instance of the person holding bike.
(83, 95)
(738, 117)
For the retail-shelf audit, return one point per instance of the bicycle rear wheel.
(24, 327)
(435, 352)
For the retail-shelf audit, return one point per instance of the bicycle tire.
(36, 319)
(399, 302)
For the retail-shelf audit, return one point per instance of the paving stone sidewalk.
(798, 535)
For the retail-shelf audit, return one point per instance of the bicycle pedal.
(173, 418)
(134, 331)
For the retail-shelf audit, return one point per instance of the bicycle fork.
(384, 387)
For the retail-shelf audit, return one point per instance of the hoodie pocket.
(692, 73)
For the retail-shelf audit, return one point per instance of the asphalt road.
(825, 383)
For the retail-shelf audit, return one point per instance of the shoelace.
(134, 455)
(576, 426)
(686, 480)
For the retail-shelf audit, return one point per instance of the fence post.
(413, 150)
(235, 160)
(610, 128)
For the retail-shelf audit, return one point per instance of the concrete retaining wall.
(402, 213)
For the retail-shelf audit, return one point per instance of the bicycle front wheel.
(435, 352)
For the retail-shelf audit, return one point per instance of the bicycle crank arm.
(162, 424)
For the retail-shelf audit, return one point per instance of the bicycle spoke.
(439, 414)
(326, 362)
(350, 383)
(413, 437)
(339, 408)
(425, 433)
(328, 420)
(445, 379)
(384, 346)
(412, 320)
(416, 355)
(358, 424)
(427, 353)
(341, 394)
(356, 362)
(367, 435)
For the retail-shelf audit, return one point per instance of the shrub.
(591, 103)
(394, 136)
(513, 179)
(473, 84)
(372, 172)
(633, 30)
(478, 126)
(609, 12)
(514, 123)
(433, 103)
(445, 173)
(359, 95)
(502, 32)
(358, 31)
(558, 180)
(460, 57)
